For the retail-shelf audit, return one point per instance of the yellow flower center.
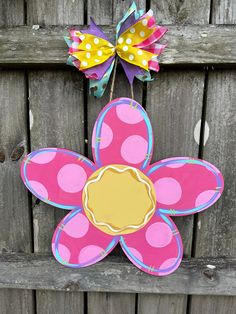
(119, 199)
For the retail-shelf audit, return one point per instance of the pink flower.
(121, 197)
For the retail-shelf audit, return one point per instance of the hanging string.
(113, 80)
(132, 91)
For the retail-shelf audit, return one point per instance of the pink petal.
(56, 176)
(77, 243)
(123, 135)
(185, 185)
(156, 249)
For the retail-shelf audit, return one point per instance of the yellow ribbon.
(95, 50)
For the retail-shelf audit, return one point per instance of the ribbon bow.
(136, 48)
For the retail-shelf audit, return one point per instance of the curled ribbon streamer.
(136, 36)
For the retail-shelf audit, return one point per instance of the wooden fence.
(43, 102)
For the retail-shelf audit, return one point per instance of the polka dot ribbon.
(136, 48)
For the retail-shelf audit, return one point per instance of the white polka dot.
(144, 22)
(99, 53)
(88, 46)
(71, 178)
(120, 40)
(96, 60)
(39, 188)
(144, 62)
(81, 37)
(84, 63)
(159, 234)
(77, 227)
(139, 52)
(110, 45)
(132, 30)
(125, 48)
(168, 191)
(131, 57)
(88, 55)
(96, 40)
(134, 149)
(128, 41)
(142, 33)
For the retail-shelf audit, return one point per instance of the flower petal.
(77, 243)
(56, 176)
(123, 135)
(157, 248)
(185, 185)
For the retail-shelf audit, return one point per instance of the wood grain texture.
(224, 12)
(55, 12)
(216, 233)
(56, 107)
(187, 45)
(181, 11)
(12, 13)
(174, 111)
(42, 271)
(15, 223)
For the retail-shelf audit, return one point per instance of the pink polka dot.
(204, 197)
(167, 264)
(106, 136)
(136, 253)
(88, 253)
(128, 114)
(43, 158)
(64, 252)
(134, 149)
(174, 164)
(39, 188)
(159, 234)
(77, 227)
(168, 191)
(71, 178)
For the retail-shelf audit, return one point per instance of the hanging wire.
(113, 79)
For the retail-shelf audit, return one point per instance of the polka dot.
(88, 55)
(144, 62)
(125, 48)
(168, 191)
(142, 34)
(128, 41)
(71, 178)
(81, 37)
(64, 252)
(96, 40)
(131, 57)
(43, 158)
(106, 136)
(110, 45)
(120, 40)
(77, 227)
(96, 60)
(132, 30)
(169, 263)
(136, 253)
(174, 163)
(84, 63)
(144, 22)
(88, 46)
(128, 114)
(39, 188)
(99, 53)
(204, 197)
(139, 52)
(88, 253)
(134, 149)
(159, 235)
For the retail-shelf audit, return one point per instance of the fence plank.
(56, 109)
(187, 45)
(15, 224)
(224, 12)
(174, 110)
(117, 274)
(215, 235)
